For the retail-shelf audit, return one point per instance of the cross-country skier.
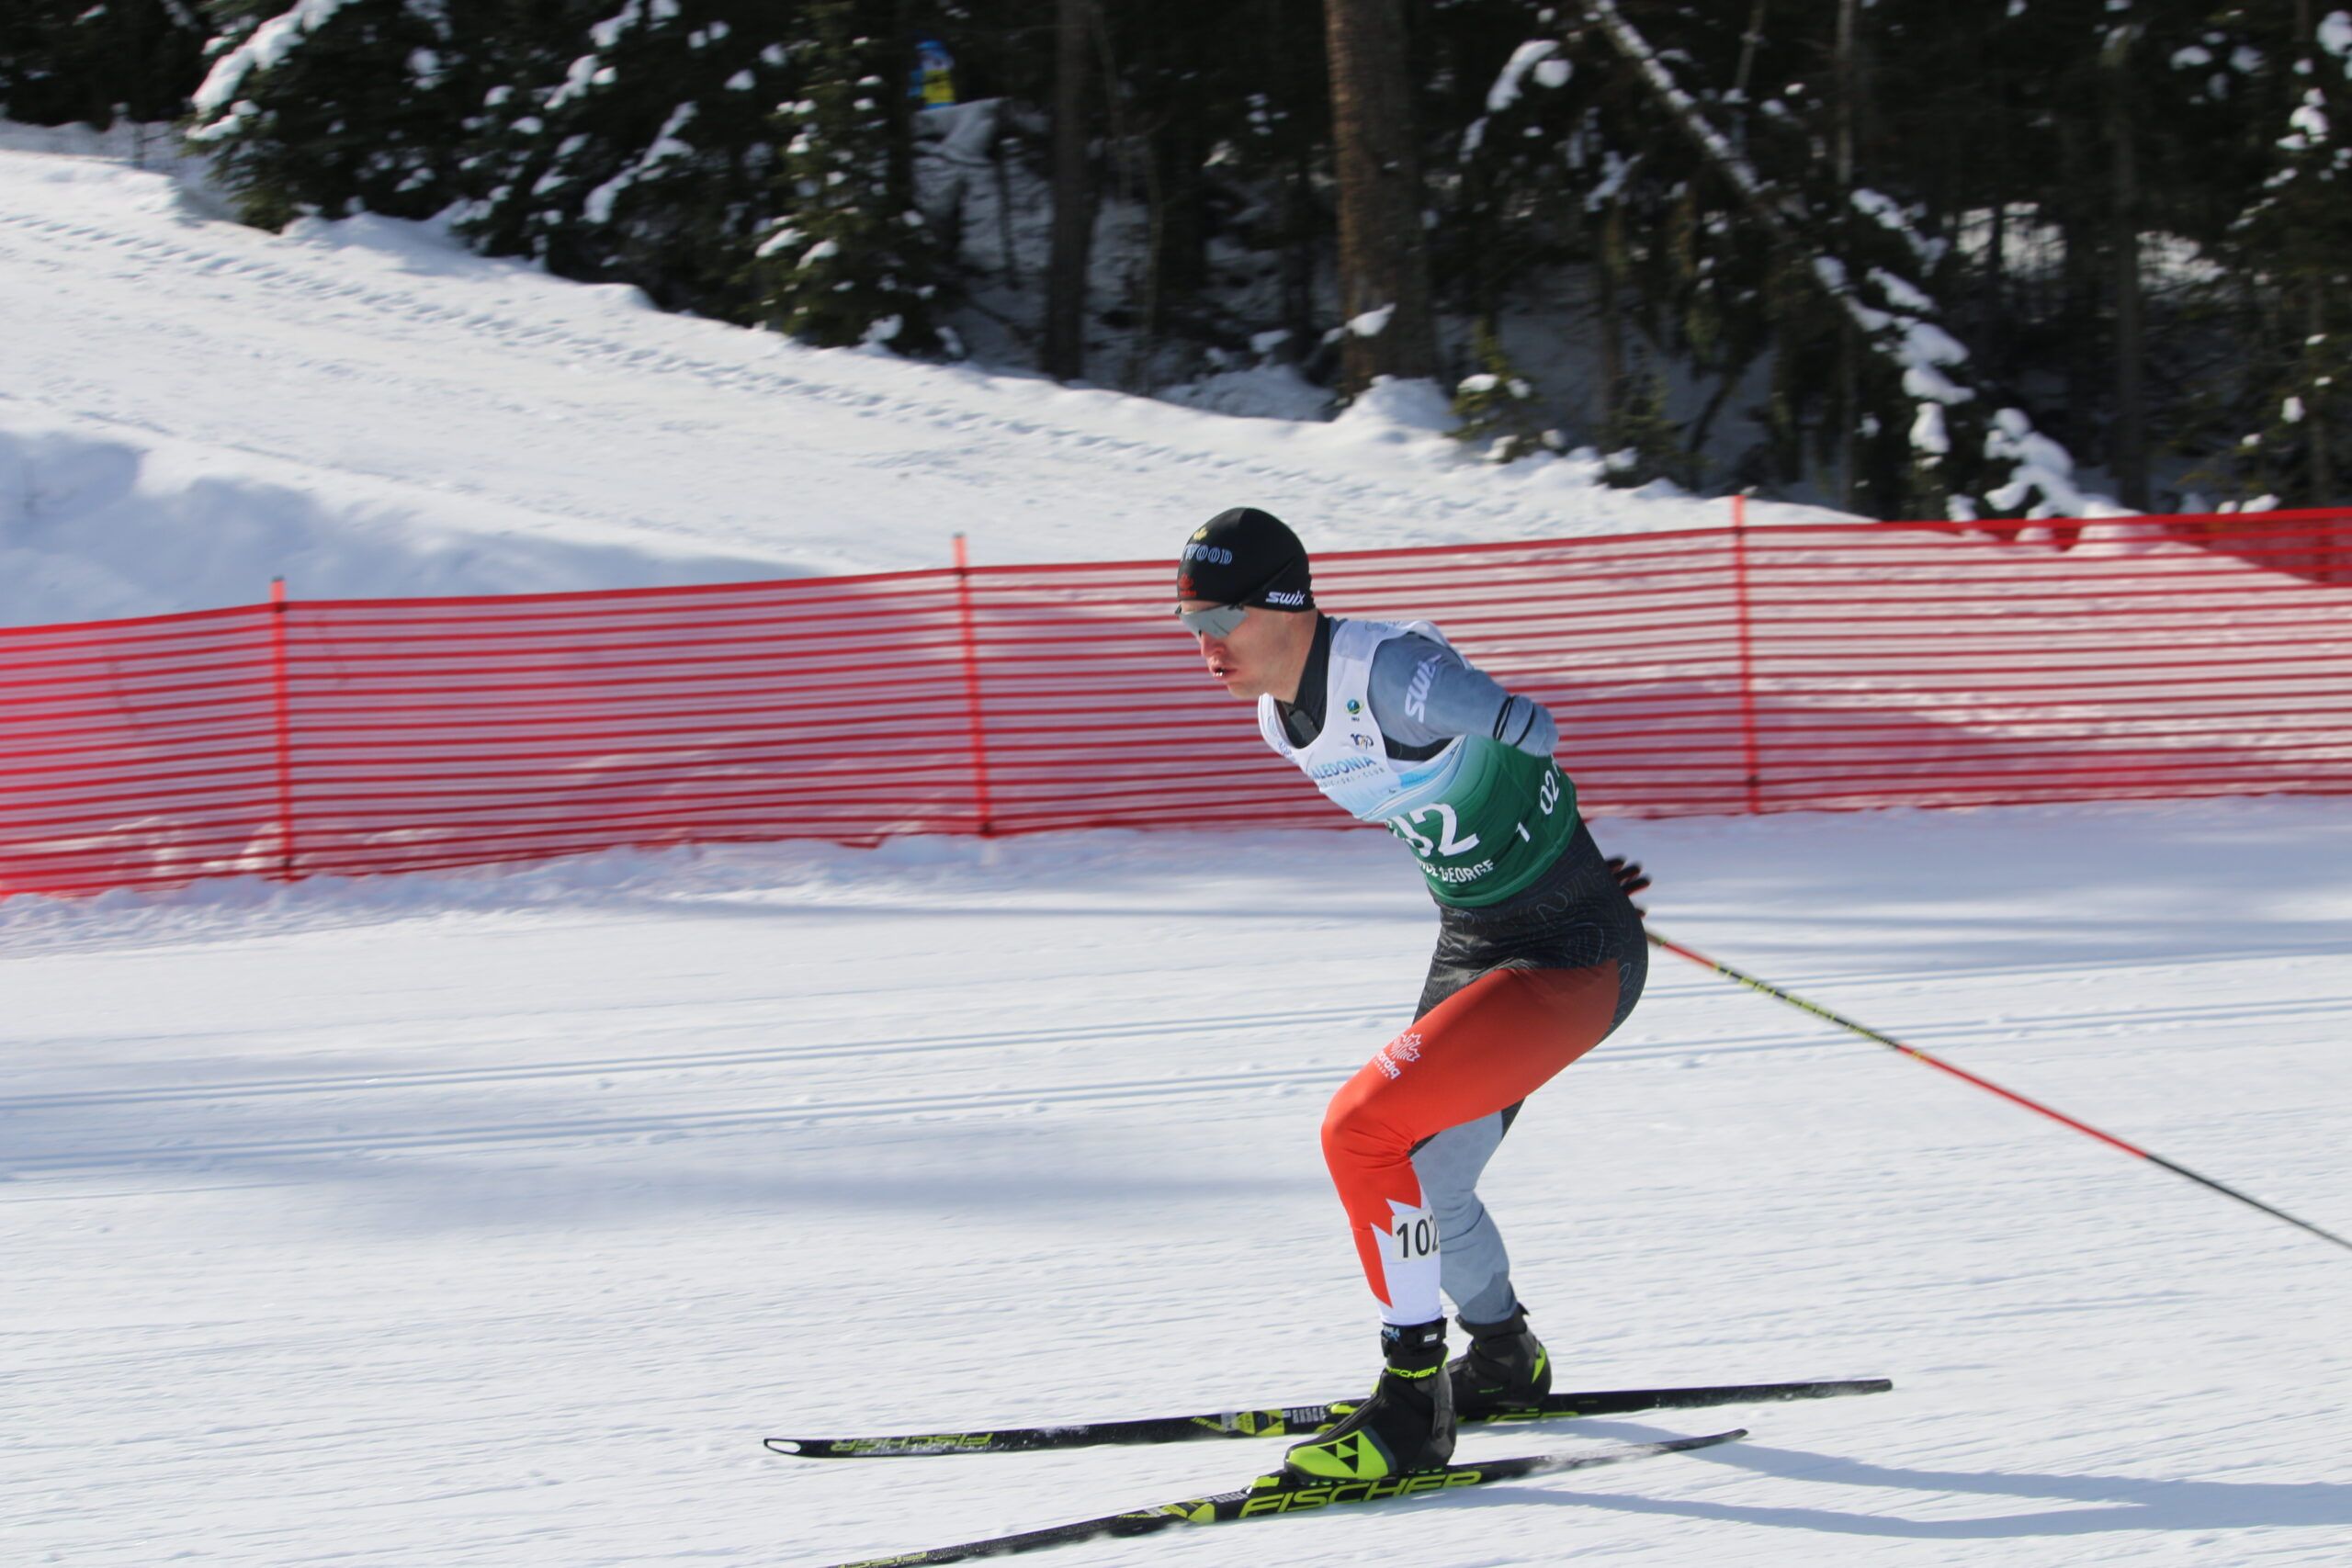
(1540, 954)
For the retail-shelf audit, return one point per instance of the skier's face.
(1264, 653)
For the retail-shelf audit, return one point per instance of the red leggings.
(1487, 1046)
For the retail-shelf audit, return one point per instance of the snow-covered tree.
(1568, 166)
(847, 258)
(637, 146)
(1730, 195)
(328, 108)
(2292, 247)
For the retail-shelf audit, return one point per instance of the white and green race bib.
(1485, 819)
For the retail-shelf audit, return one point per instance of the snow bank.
(96, 524)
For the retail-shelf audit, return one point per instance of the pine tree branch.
(1921, 350)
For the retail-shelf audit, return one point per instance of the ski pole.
(1753, 984)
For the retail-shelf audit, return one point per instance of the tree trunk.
(1612, 399)
(1300, 234)
(1181, 253)
(900, 178)
(2080, 309)
(1384, 256)
(2128, 450)
(2323, 460)
(1749, 41)
(1993, 338)
(1849, 347)
(1065, 339)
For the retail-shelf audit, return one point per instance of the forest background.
(1911, 258)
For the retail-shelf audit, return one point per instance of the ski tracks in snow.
(334, 1202)
(793, 1074)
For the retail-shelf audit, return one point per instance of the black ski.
(1271, 1494)
(1300, 1420)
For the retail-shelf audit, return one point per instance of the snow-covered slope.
(188, 407)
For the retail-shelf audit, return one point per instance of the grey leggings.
(1575, 917)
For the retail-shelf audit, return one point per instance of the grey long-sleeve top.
(1423, 695)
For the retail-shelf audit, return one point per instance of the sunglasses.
(1217, 620)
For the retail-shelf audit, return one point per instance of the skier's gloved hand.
(1527, 725)
(1630, 878)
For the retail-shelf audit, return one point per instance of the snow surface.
(492, 1219)
(370, 410)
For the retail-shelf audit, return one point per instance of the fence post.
(1744, 619)
(972, 689)
(285, 728)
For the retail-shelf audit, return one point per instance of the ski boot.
(1407, 1425)
(1505, 1369)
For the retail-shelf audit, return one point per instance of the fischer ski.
(1273, 1495)
(1300, 1421)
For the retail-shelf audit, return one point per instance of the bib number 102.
(1447, 842)
(1416, 1236)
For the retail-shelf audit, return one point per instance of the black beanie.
(1245, 556)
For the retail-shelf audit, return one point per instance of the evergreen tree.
(1195, 129)
(1780, 225)
(1253, 82)
(850, 259)
(637, 146)
(335, 107)
(2292, 245)
(1574, 163)
(64, 60)
(2100, 157)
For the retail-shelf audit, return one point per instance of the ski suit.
(1539, 957)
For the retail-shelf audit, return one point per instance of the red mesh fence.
(1717, 670)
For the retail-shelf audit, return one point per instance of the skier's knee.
(1356, 1136)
